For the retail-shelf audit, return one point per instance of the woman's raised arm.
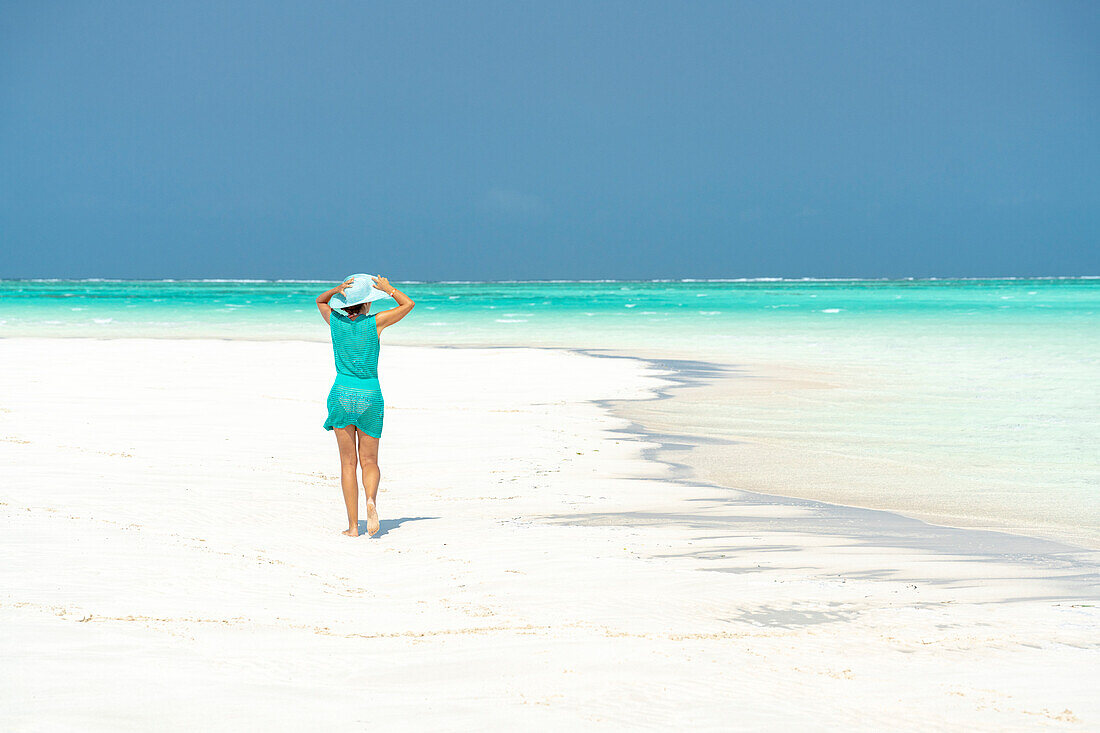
(393, 315)
(323, 298)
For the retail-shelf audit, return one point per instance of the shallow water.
(970, 402)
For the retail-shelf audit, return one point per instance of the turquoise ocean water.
(971, 402)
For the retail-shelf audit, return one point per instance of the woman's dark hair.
(352, 310)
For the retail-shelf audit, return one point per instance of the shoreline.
(690, 374)
(687, 374)
(684, 374)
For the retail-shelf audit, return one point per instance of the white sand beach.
(172, 560)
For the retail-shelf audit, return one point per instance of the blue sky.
(499, 140)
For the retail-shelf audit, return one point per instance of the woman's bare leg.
(345, 441)
(368, 461)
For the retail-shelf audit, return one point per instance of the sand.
(172, 559)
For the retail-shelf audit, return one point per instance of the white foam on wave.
(832, 310)
(104, 320)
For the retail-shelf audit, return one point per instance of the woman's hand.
(345, 285)
(393, 315)
(383, 284)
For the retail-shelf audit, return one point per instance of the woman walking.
(355, 405)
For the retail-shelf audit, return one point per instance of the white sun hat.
(362, 290)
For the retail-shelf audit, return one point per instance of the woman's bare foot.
(351, 532)
(372, 518)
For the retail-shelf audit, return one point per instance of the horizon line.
(561, 280)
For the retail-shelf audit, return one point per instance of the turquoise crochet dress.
(355, 397)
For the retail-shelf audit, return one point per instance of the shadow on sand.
(385, 525)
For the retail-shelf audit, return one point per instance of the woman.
(355, 404)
